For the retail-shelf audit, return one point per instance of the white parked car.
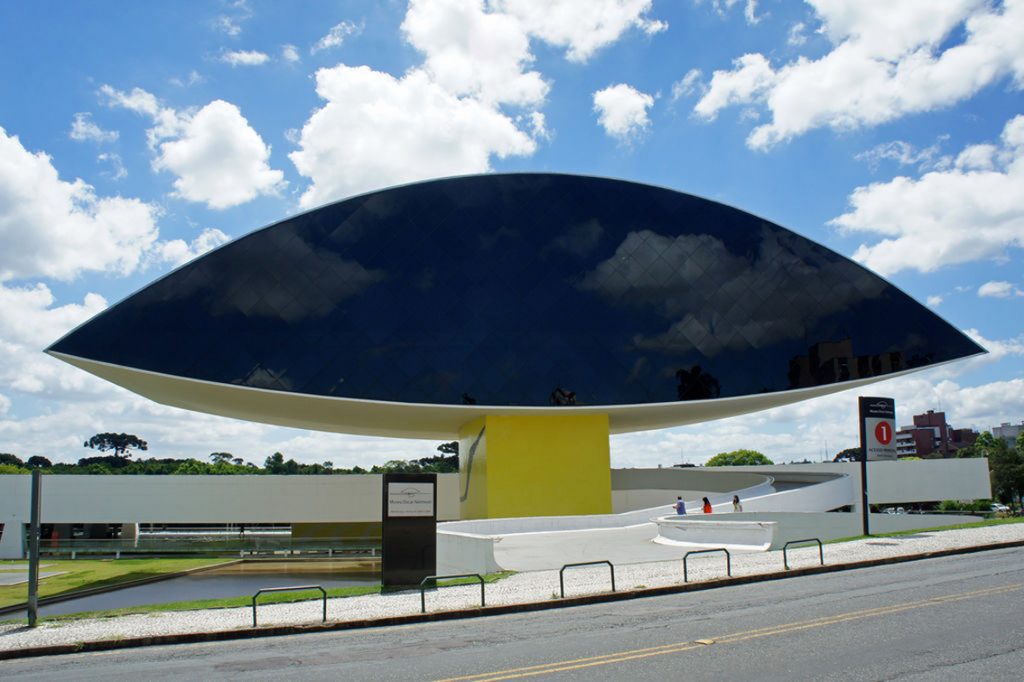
(1000, 508)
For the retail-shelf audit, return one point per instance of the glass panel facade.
(522, 289)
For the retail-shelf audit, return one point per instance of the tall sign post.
(33, 548)
(408, 529)
(877, 443)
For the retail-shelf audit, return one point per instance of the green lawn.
(979, 524)
(78, 574)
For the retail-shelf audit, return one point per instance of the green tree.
(274, 464)
(120, 443)
(847, 455)
(13, 460)
(39, 462)
(1006, 465)
(738, 458)
(218, 457)
(12, 469)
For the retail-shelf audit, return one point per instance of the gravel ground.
(520, 588)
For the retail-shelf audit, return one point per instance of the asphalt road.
(941, 619)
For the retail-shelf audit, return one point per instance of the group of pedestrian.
(680, 505)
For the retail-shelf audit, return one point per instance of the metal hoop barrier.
(728, 561)
(435, 578)
(289, 589)
(785, 558)
(561, 573)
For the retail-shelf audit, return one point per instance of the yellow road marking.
(678, 647)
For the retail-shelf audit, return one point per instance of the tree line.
(118, 457)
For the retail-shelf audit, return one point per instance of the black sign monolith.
(409, 529)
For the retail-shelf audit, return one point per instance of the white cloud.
(888, 60)
(906, 154)
(83, 129)
(216, 155)
(177, 251)
(53, 228)
(998, 289)
(193, 78)
(749, 8)
(376, 130)
(688, 84)
(957, 215)
(290, 53)
(244, 57)
(582, 28)
(472, 52)
(446, 115)
(29, 322)
(336, 36)
(934, 301)
(796, 36)
(622, 110)
(231, 24)
(803, 430)
(117, 170)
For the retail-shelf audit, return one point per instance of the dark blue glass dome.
(521, 290)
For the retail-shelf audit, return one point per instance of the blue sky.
(134, 136)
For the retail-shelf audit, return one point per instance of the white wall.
(201, 499)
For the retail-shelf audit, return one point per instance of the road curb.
(280, 630)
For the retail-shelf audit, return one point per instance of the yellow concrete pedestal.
(534, 466)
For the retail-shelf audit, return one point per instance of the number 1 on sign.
(883, 432)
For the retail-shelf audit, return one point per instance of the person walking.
(736, 506)
(707, 505)
(680, 506)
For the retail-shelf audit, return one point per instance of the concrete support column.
(540, 465)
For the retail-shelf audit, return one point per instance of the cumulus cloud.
(216, 155)
(469, 51)
(178, 251)
(117, 170)
(958, 215)
(581, 28)
(998, 289)
(244, 57)
(749, 8)
(336, 36)
(290, 53)
(84, 130)
(54, 228)
(906, 154)
(887, 60)
(377, 130)
(688, 84)
(219, 159)
(622, 110)
(450, 114)
(934, 301)
(30, 320)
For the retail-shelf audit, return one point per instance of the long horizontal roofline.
(417, 420)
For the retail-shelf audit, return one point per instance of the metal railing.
(561, 573)
(785, 547)
(435, 578)
(728, 561)
(295, 588)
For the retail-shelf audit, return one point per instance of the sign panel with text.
(878, 429)
(409, 529)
